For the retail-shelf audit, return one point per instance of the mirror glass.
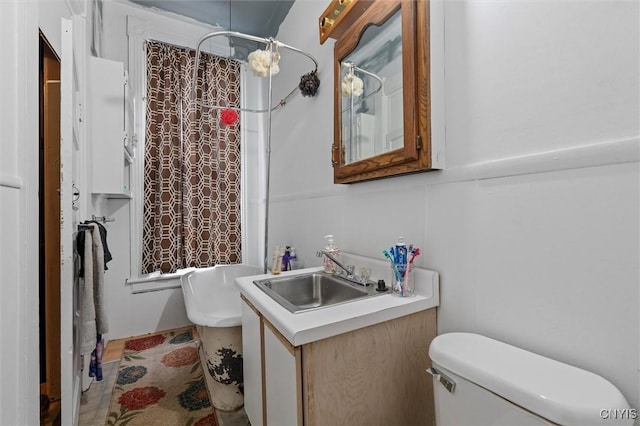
(371, 88)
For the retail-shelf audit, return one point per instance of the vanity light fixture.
(326, 22)
(339, 16)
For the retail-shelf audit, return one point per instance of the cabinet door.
(372, 375)
(282, 380)
(109, 169)
(252, 364)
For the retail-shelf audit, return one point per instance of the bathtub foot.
(224, 397)
(221, 357)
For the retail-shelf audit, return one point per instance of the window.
(191, 209)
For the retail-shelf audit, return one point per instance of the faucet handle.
(365, 275)
(351, 269)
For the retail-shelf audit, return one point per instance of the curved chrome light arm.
(267, 41)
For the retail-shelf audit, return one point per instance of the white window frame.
(187, 35)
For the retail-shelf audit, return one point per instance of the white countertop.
(305, 327)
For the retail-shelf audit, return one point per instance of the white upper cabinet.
(111, 153)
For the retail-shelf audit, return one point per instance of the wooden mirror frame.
(415, 156)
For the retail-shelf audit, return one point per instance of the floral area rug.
(161, 382)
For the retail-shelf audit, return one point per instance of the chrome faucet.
(349, 270)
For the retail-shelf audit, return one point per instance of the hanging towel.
(87, 307)
(103, 238)
(93, 309)
(80, 248)
(102, 326)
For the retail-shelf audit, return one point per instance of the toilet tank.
(480, 381)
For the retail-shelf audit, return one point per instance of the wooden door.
(50, 222)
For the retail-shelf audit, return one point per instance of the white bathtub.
(212, 303)
(211, 297)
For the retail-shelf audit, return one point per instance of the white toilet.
(480, 381)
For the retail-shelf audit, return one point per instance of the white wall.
(19, 374)
(534, 225)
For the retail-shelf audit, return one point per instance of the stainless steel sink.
(299, 293)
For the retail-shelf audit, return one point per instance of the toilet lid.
(559, 392)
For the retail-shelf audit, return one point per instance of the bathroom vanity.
(360, 362)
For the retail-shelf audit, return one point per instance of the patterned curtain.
(191, 214)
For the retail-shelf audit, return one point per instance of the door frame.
(50, 217)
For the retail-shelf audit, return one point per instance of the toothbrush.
(390, 258)
(414, 253)
(393, 265)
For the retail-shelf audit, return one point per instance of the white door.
(252, 364)
(69, 357)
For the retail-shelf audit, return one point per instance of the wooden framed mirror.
(381, 87)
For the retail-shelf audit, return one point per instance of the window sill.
(157, 281)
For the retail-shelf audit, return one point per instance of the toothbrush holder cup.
(403, 280)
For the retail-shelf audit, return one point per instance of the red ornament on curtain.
(228, 117)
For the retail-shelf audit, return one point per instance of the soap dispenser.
(293, 260)
(332, 249)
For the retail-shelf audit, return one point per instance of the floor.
(94, 405)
